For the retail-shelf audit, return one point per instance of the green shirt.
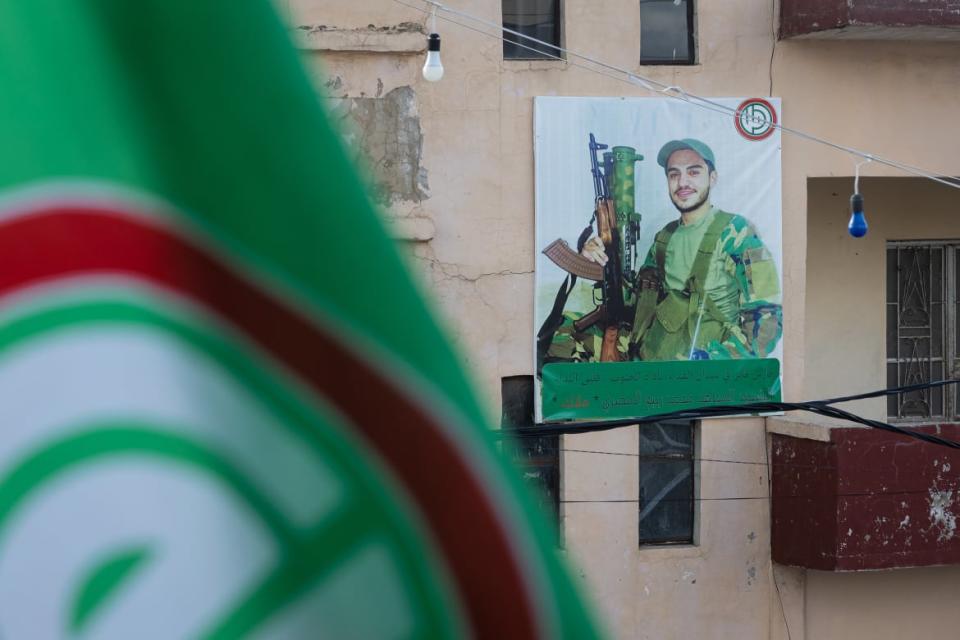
(682, 251)
(741, 277)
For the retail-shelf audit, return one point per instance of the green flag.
(225, 410)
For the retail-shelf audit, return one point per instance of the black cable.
(821, 407)
(637, 455)
(779, 465)
(778, 496)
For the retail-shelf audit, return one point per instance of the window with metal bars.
(922, 328)
(538, 19)
(667, 483)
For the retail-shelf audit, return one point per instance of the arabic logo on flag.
(185, 449)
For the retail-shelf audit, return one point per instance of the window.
(538, 19)
(537, 457)
(666, 32)
(922, 329)
(667, 485)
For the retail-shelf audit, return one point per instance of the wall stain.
(385, 136)
(941, 517)
(403, 27)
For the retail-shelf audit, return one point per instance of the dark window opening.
(538, 19)
(537, 457)
(667, 32)
(667, 487)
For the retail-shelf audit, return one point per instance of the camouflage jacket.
(742, 285)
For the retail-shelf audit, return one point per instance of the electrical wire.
(778, 496)
(638, 455)
(781, 465)
(519, 44)
(821, 407)
(647, 83)
(773, 571)
(656, 86)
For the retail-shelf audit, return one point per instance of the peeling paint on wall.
(403, 27)
(405, 38)
(941, 517)
(865, 500)
(385, 134)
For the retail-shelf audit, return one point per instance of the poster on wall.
(659, 256)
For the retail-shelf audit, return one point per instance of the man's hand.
(593, 250)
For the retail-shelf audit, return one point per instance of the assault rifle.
(618, 227)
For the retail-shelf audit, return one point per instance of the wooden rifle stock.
(606, 223)
(597, 315)
(612, 279)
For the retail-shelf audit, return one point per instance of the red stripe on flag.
(64, 241)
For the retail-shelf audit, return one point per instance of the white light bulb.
(432, 68)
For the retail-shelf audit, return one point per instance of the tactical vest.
(667, 322)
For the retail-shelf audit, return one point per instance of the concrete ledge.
(870, 19)
(798, 428)
(412, 229)
(404, 38)
(880, 32)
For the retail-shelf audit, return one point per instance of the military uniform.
(709, 289)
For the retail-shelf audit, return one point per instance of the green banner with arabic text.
(616, 390)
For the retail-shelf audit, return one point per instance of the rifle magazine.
(570, 261)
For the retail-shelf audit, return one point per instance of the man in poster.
(708, 288)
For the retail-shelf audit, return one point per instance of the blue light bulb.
(858, 222)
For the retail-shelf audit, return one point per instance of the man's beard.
(689, 208)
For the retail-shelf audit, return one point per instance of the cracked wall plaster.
(384, 134)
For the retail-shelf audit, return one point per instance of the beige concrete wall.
(478, 141)
(883, 605)
(846, 277)
(718, 588)
(475, 251)
(861, 95)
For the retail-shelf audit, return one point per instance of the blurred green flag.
(225, 410)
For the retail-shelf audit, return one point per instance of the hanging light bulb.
(858, 222)
(432, 68)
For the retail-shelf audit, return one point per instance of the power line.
(778, 496)
(777, 466)
(821, 407)
(656, 86)
(773, 575)
(638, 455)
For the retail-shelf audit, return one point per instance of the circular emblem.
(756, 119)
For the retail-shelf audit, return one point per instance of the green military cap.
(687, 143)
